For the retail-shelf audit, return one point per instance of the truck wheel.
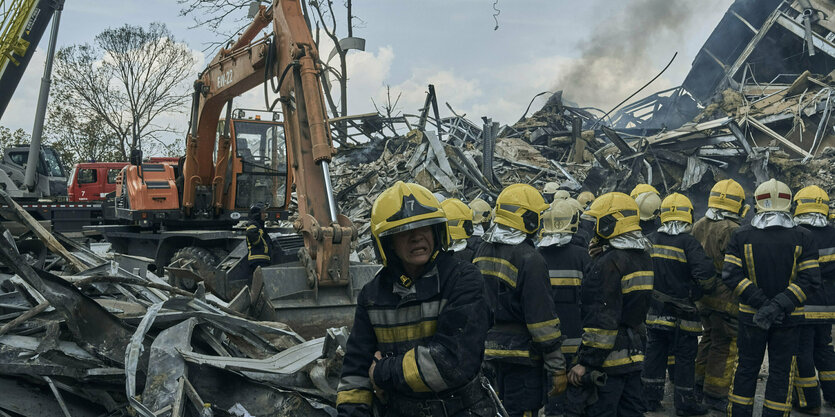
(199, 260)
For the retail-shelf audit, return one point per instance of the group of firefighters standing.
(586, 306)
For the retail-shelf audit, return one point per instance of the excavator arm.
(243, 66)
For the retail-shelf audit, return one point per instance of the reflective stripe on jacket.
(615, 298)
(527, 328)
(761, 263)
(431, 335)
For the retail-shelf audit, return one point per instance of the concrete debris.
(105, 341)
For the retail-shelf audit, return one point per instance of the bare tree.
(125, 80)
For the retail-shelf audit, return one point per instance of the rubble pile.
(107, 339)
(756, 104)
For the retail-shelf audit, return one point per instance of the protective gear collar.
(773, 218)
(811, 219)
(498, 233)
(716, 214)
(675, 227)
(458, 245)
(631, 240)
(554, 239)
(478, 230)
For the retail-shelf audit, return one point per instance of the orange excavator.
(181, 217)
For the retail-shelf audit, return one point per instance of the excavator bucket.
(298, 300)
(310, 309)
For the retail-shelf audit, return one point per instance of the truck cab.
(51, 180)
(92, 181)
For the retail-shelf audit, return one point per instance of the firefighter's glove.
(560, 383)
(772, 311)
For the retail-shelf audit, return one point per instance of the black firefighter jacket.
(566, 267)
(761, 263)
(431, 335)
(714, 235)
(683, 273)
(527, 329)
(820, 306)
(615, 298)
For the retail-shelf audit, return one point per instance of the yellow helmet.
(585, 198)
(561, 195)
(615, 214)
(459, 218)
(561, 217)
(727, 195)
(550, 188)
(519, 206)
(677, 207)
(773, 195)
(643, 188)
(811, 199)
(481, 211)
(402, 207)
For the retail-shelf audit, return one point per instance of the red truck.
(92, 181)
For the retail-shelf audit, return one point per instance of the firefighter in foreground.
(460, 220)
(682, 274)
(258, 242)
(566, 264)
(717, 354)
(523, 346)
(772, 265)
(649, 203)
(816, 352)
(420, 324)
(616, 293)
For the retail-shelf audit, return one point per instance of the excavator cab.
(260, 167)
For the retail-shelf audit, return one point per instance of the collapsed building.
(86, 334)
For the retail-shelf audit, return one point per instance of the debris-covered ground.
(86, 334)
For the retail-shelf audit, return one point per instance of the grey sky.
(478, 70)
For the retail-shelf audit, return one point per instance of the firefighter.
(523, 346)
(460, 220)
(420, 324)
(816, 352)
(717, 354)
(682, 274)
(566, 264)
(585, 230)
(649, 202)
(549, 190)
(615, 297)
(481, 221)
(771, 265)
(258, 242)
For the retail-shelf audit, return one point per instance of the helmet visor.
(413, 225)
